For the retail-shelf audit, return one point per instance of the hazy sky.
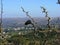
(12, 8)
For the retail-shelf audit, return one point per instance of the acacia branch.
(33, 22)
(27, 14)
(46, 15)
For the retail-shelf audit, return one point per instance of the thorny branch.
(46, 15)
(33, 22)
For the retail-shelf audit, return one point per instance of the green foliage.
(47, 37)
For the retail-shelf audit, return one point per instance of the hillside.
(19, 22)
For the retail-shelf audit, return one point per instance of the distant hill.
(19, 22)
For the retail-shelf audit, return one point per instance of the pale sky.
(12, 8)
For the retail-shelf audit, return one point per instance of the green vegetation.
(40, 38)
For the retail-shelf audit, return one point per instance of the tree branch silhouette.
(27, 14)
(46, 15)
